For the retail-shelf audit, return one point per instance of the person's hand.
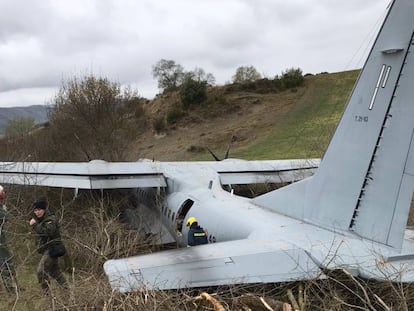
(4, 207)
(32, 221)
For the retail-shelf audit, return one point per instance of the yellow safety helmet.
(190, 221)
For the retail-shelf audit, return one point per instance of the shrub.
(158, 124)
(193, 92)
(292, 78)
(216, 99)
(174, 115)
(262, 86)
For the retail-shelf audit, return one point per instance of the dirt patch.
(243, 119)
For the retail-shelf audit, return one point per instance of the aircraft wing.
(264, 171)
(233, 262)
(98, 174)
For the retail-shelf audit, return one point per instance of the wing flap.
(90, 175)
(269, 171)
(245, 178)
(233, 262)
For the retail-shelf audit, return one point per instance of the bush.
(158, 124)
(193, 92)
(174, 115)
(216, 98)
(292, 78)
(262, 86)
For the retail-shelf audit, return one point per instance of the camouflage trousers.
(8, 275)
(49, 267)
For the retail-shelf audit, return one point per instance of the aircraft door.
(181, 214)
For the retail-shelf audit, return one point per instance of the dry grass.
(92, 293)
(93, 234)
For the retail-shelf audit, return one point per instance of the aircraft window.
(173, 216)
(182, 212)
(169, 213)
(165, 211)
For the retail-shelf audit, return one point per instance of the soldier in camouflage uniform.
(6, 266)
(46, 227)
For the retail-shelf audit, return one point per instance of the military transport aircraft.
(351, 214)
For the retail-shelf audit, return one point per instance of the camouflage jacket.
(47, 231)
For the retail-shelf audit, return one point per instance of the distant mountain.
(37, 112)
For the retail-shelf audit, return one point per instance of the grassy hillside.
(306, 128)
(290, 124)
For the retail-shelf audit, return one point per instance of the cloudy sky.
(44, 42)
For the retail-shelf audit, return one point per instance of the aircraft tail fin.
(365, 181)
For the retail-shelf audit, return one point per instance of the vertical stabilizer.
(365, 181)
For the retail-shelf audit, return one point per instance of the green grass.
(302, 129)
(305, 130)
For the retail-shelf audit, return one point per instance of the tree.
(93, 118)
(198, 74)
(19, 127)
(169, 75)
(246, 74)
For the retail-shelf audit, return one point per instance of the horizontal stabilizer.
(233, 262)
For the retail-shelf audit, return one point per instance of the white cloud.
(27, 97)
(49, 40)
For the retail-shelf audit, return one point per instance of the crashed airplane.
(351, 214)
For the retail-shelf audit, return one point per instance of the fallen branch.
(267, 307)
(292, 300)
(216, 304)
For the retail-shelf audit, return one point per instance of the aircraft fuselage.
(228, 217)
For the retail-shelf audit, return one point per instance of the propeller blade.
(212, 153)
(226, 156)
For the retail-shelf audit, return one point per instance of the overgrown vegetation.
(93, 233)
(193, 92)
(289, 80)
(91, 226)
(292, 78)
(175, 113)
